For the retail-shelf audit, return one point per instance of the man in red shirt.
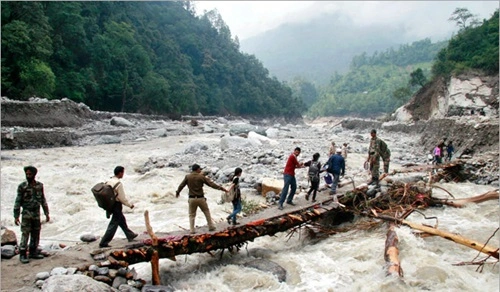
(289, 177)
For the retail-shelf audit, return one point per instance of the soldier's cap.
(31, 168)
(374, 131)
(195, 167)
(339, 150)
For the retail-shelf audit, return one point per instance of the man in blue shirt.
(336, 166)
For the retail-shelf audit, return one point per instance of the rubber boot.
(34, 254)
(22, 256)
(374, 181)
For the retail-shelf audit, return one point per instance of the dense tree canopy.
(473, 47)
(148, 57)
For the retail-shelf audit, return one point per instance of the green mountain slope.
(147, 57)
(369, 87)
(474, 47)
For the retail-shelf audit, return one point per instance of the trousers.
(30, 229)
(117, 220)
(236, 209)
(290, 183)
(194, 204)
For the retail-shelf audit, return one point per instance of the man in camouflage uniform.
(30, 197)
(378, 148)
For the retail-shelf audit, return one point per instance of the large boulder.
(8, 251)
(268, 266)
(8, 237)
(235, 142)
(271, 184)
(121, 122)
(60, 283)
(195, 147)
(261, 139)
(157, 288)
(272, 133)
(244, 128)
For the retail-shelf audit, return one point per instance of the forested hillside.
(147, 57)
(474, 47)
(371, 85)
(382, 82)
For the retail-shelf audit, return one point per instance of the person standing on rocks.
(313, 173)
(449, 151)
(437, 154)
(289, 177)
(30, 197)
(331, 150)
(237, 196)
(195, 181)
(378, 148)
(344, 151)
(117, 219)
(442, 147)
(336, 166)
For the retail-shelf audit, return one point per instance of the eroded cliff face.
(463, 109)
(468, 94)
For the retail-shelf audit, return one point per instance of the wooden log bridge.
(236, 236)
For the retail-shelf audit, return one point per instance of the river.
(350, 261)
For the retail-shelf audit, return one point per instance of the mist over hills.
(316, 48)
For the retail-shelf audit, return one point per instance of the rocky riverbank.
(40, 123)
(165, 148)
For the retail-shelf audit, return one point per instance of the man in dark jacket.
(336, 166)
(195, 181)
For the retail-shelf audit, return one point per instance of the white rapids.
(351, 261)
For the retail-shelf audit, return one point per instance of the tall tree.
(26, 48)
(417, 77)
(463, 18)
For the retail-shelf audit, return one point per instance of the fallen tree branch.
(459, 203)
(441, 188)
(155, 259)
(391, 254)
(489, 250)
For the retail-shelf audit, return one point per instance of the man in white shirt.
(118, 219)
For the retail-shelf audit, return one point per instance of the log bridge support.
(170, 246)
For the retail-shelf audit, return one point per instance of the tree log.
(489, 250)
(459, 203)
(155, 259)
(391, 255)
(170, 246)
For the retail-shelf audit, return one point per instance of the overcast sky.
(423, 18)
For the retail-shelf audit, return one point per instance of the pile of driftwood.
(402, 199)
(393, 205)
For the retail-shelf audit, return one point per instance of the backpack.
(385, 153)
(314, 171)
(229, 196)
(105, 195)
